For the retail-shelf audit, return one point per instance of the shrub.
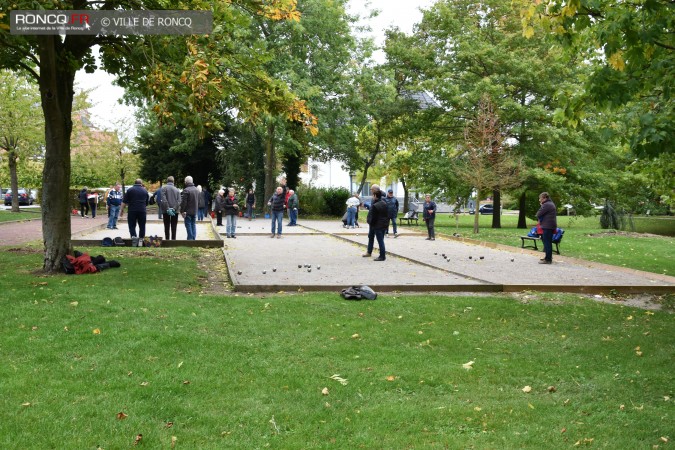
(322, 201)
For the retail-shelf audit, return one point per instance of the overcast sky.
(107, 112)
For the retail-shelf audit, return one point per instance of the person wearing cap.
(392, 210)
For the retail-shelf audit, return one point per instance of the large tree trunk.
(496, 208)
(56, 89)
(13, 177)
(406, 195)
(270, 164)
(369, 162)
(476, 213)
(522, 206)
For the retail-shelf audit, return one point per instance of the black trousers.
(170, 224)
(134, 217)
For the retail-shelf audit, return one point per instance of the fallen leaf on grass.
(664, 439)
(324, 391)
(173, 441)
(355, 336)
(468, 366)
(96, 331)
(338, 378)
(391, 378)
(27, 404)
(145, 383)
(138, 439)
(74, 303)
(186, 381)
(551, 389)
(121, 416)
(527, 389)
(169, 424)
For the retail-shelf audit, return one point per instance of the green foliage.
(335, 199)
(217, 372)
(322, 201)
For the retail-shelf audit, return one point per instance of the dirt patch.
(626, 234)
(216, 279)
(650, 302)
(24, 250)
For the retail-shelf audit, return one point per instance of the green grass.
(23, 214)
(583, 239)
(248, 372)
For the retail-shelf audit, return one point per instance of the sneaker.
(273, 235)
(433, 239)
(227, 236)
(366, 255)
(545, 261)
(115, 228)
(233, 236)
(278, 236)
(427, 239)
(379, 258)
(395, 235)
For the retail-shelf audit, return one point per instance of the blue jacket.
(392, 206)
(429, 206)
(137, 198)
(114, 198)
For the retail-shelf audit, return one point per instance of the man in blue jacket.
(114, 202)
(137, 198)
(392, 210)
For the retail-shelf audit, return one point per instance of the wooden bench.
(408, 220)
(534, 241)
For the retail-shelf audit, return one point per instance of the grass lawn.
(23, 214)
(97, 360)
(583, 239)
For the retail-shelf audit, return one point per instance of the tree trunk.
(56, 90)
(406, 195)
(270, 164)
(496, 208)
(522, 206)
(370, 162)
(476, 213)
(13, 178)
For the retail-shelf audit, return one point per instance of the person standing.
(547, 217)
(276, 202)
(189, 206)
(201, 207)
(84, 205)
(378, 220)
(392, 210)
(429, 215)
(250, 203)
(92, 199)
(231, 209)
(218, 206)
(137, 200)
(158, 199)
(207, 201)
(168, 207)
(114, 203)
(353, 203)
(293, 204)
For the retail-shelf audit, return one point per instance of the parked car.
(485, 209)
(25, 197)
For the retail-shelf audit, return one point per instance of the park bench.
(534, 239)
(409, 217)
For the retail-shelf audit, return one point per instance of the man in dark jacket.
(276, 202)
(547, 216)
(137, 199)
(392, 210)
(169, 203)
(189, 204)
(378, 220)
